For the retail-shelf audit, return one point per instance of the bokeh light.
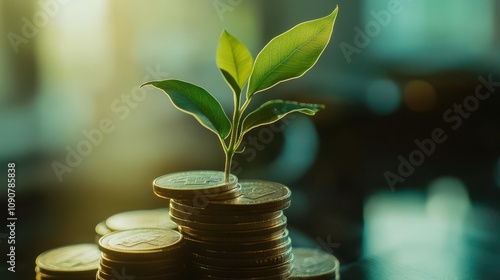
(383, 96)
(420, 96)
(411, 220)
(392, 219)
(448, 200)
(299, 151)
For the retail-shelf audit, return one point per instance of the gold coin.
(203, 270)
(156, 218)
(223, 213)
(185, 185)
(141, 243)
(202, 197)
(72, 259)
(69, 276)
(101, 229)
(109, 261)
(196, 244)
(175, 275)
(142, 271)
(230, 239)
(255, 195)
(259, 262)
(314, 264)
(228, 227)
(248, 254)
(281, 276)
(207, 217)
(278, 226)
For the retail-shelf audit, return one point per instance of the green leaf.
(234, 61)
(198, 102)
(274, 110)
(291, 54)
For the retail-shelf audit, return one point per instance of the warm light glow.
(419, 96)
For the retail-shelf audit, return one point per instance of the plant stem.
(227, 166)
(234, 136)
(230, 148)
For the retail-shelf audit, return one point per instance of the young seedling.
(287, 56)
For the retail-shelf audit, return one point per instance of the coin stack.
(142, 254)
(243, 237)
(73, 262)
(153, 218)
(314, 264)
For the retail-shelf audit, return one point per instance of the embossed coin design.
(255, 195)
(186, 185)
(69, 260)
(140, 243)
(314, 264)
(145, 254)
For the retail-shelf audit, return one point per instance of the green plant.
(287, 56)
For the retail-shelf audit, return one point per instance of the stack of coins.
(228, 230)
(314, 264)
(142, 254)
(73, 262)
(154, 218)
(244, 237)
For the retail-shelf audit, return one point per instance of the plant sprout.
(287, 56)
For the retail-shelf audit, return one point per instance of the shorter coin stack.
(73, 262)
(314, 264)
(244, 237)
(153, 218)
(142, 254)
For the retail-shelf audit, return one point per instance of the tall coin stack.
(238, 237)
(142, 254)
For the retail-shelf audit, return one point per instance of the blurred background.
(406, 151)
